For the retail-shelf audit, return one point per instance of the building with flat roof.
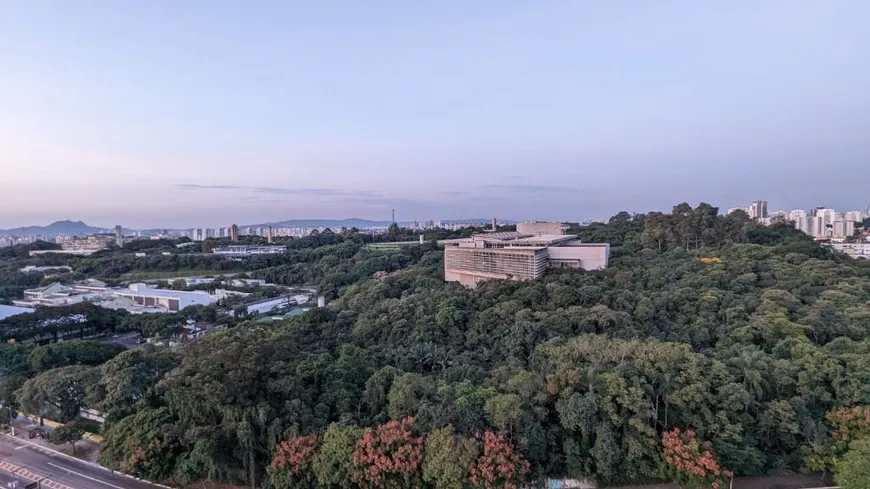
(170, 300)
(517, 256)
(57, 294)
(9, 311)
(245, 251)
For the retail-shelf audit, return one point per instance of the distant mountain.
(71, 228)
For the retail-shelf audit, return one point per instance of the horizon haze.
(177, 114)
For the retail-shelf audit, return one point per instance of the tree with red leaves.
(499, 465)
(389, 456)
(291, 465)
(689, 462)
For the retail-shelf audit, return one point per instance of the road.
(64, 471)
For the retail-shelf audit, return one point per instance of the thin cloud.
(536, 189)
(301, 192)
(317, 192)
(192, 186)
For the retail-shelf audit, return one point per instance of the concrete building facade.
(517, 256)
(540, 228)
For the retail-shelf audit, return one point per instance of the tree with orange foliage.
(499, 466)
(389, 456)
(291, 465)
(690, 462)
(846, 425)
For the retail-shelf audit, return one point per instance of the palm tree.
(750, 365)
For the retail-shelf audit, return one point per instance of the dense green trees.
(753, 339)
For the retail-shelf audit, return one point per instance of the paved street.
(62, 471)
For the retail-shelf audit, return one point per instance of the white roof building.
(170, 300)
(9, 311)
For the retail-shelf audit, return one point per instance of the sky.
(189, 113)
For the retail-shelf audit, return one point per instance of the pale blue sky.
(183, 113)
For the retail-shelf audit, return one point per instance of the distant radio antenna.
(394, 216)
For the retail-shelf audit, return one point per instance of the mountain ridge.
(63, 227)
(80, 228)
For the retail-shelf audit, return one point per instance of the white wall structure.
(170, 300)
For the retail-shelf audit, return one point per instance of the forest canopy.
(743, 348)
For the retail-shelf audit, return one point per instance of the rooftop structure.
(541, 227)
(57, 294)
(244, 251)
(33, 268)
(9, 311)
(517, 256)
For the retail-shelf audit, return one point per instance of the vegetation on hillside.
(710, 346)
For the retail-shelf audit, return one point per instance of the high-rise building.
(795, 214)
(828, 214)
(758, 209)
(819, 227)
(234, 233)
(119, 236)
(802, 223)
(853, 216)
(839, 229)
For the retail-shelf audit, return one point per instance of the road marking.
(84, 476)
(22, 446)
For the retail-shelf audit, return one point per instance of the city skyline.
(553, 110)
(319, 223)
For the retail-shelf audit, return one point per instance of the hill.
(72, 228)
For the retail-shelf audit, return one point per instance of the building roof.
(513, 239)
(141, 290)
(54, 288)
(544, 239)
(9, 311)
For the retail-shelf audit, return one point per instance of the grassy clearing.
(147, 275)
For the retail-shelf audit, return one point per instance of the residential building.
(853, 216)
(9, 311)
(119, 236)
(170, 300)
(796, 214)
(234, 233)
(245, 251)
(855, 250)
(802, 224)
(758, 209)
(539, 228)
(819, 227)
(77, 246)
(517, 256)
(829, 215)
